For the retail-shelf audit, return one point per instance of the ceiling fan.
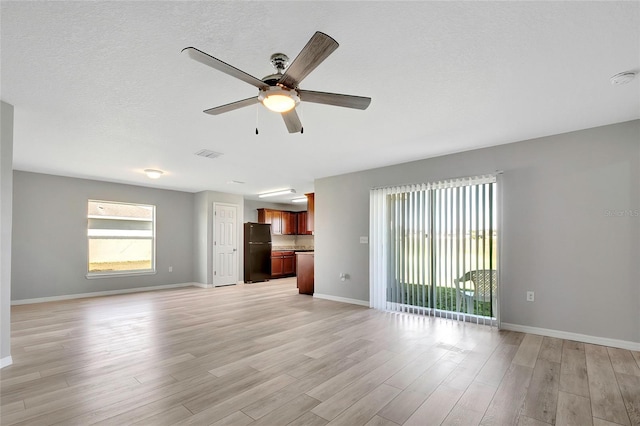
(279, 92)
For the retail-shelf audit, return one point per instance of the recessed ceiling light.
(235, 182)
(623, 77)
(153, 173)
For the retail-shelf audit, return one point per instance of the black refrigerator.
(257, 252)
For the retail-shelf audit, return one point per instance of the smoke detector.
(623, 78)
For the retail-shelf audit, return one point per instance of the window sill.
(98, 275)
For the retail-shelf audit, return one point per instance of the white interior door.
(225, 244)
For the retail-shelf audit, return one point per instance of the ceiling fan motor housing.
(280, 62)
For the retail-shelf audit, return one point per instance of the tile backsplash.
(292, 242)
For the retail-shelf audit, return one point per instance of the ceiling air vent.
(208, 153)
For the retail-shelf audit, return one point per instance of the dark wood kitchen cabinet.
(276, 266)
(289, 223)
(305, 272)
(274, 217)
(311, 207)
(283, 264)
(302, 223)
(285, 222)
(289, 264)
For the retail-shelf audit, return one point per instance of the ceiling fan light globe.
(279, 103)
(278, 99)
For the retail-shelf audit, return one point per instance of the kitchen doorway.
(225, 244)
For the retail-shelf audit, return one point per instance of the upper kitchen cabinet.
(310, 212)
(285, 222)
(302, 223)
(289, 223)
(274, 217)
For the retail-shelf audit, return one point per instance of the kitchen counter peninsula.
(304, 271)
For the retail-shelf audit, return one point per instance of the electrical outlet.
(530, 296)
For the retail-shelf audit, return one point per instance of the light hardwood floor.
(261, 354)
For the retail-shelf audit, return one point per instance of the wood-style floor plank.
(573, 410)
(528, 351)
(607, 402)
(435, 408)
(551, 349)
(542, 396)
(506, 404)
(573, 369)
(402, 406)
(263, 354)
(380, 421)
(623, 362)
(363, 411)
(630, 389)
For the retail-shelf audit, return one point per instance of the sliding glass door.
(434, 248)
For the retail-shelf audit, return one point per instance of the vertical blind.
(433, 248)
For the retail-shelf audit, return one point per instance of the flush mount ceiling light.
(274, 193)
(278, 99)
(153, 173)
(299, 200)
(623, 78)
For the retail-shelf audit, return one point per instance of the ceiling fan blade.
(347, 101)
(319, 47)
(232, 106)
(215, 63)
(291, 119)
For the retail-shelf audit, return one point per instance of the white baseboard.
(6, 361)
(342, 299)
(201, 285)
(585, 338)
(101, 293)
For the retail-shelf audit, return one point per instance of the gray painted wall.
(203, 229)
(558, 239)
(251, 208)
(50, 235)
(6, 195)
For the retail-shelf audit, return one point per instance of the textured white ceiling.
(101, 90)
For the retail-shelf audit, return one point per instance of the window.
(435, 248)
(121, 238)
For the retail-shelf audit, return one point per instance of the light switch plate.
(364, 240)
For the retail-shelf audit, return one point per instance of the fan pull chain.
(301, 118)
(257, 110)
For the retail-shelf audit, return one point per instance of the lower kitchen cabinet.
(289, 265)
(283, 264)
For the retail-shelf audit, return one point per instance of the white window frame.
(133, 272)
